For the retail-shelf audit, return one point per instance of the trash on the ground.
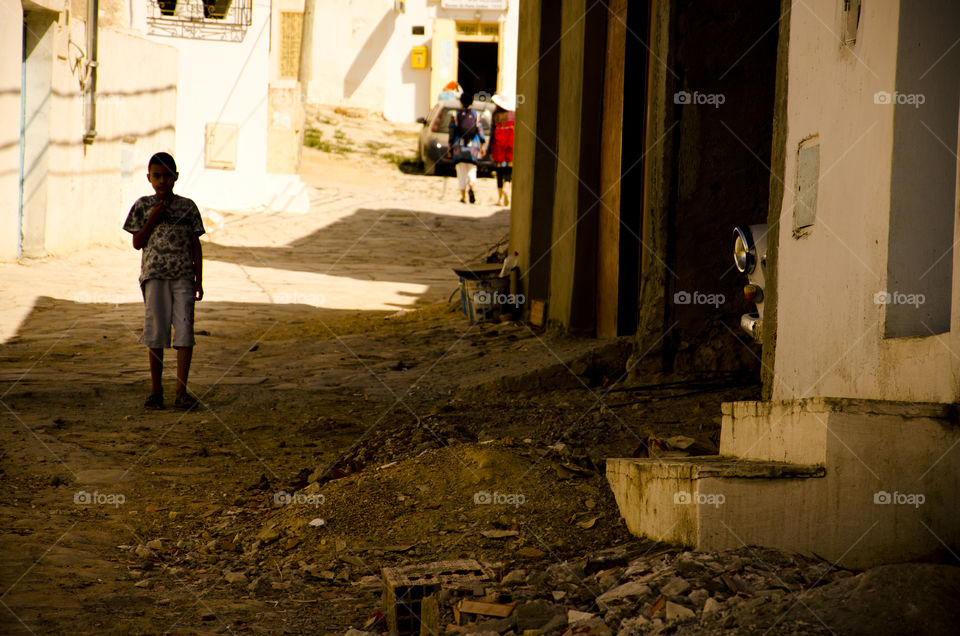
(509, 263)
(483, 293)
(484, 608)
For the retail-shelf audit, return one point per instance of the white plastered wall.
(11, 33)
(830, 330)
(86, 189)
(358, 53)
(223, 82)
(135, 114)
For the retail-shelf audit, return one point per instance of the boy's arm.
(141, 236)
(197, 268)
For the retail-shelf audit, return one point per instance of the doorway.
(35, 119)
(477, 67)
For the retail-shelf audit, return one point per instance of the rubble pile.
(614, 591)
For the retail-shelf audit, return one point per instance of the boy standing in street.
(167, 227)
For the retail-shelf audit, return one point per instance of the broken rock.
(537, 614)
(711, 606)
(627, 590)
(515, 577)
(591, 627)
(677, 612)
(675, 587)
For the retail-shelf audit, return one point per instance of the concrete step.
(858, 482)
(689, 500)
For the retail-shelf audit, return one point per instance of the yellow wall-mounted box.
(418, 57)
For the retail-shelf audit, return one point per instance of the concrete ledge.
(798, 431)
(847, 405)
(667, 500)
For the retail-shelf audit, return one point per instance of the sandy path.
(72, 378)
(374, 239)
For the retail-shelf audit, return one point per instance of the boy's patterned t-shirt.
(168, 253)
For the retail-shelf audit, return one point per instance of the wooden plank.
(608, 231)
(500, 610)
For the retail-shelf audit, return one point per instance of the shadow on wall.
(368, 55)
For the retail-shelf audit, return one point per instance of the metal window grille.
(291, 31)
(225, 20)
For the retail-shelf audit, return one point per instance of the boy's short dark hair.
(466, 100)
(165, 159)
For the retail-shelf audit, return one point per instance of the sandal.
(473, 198)
(186, 402)
(154, 401)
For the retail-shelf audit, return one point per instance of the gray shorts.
(169, 303)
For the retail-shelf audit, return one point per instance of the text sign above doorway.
(498, 5)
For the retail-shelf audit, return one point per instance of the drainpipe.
(90, 87)
(23, 139)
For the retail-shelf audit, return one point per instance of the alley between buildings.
(353, 419)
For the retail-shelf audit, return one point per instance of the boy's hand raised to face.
(157, 210)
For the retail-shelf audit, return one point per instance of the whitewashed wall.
(357, 53)
(830, 331)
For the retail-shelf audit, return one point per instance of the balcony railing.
(225, 20)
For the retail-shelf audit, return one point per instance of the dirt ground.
(352, 419)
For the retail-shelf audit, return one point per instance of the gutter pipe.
(90, 88)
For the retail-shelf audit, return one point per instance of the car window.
(445, 117)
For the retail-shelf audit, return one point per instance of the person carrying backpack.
(466, 146)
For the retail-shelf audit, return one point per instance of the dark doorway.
(631, 165)
(720, 150)
(477, 67)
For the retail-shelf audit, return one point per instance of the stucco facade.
(360, 53)
(885, 212)
(74, 193)
(223, 77)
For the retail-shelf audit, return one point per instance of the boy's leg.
(183, 340)
(184, 356)
(156, 334)
(156, 371)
